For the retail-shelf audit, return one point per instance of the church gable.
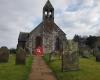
(47, 35)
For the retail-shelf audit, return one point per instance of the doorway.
(38, 42)
(38, 46)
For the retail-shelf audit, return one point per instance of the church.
(47, 35)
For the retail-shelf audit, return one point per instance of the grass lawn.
(10, 71)
(89, 70)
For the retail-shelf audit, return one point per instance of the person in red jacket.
(39, 51)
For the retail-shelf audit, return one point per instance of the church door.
(38, 46)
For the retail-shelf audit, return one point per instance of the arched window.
(57, 44)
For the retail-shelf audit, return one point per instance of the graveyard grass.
(89, 70)
(10, 71)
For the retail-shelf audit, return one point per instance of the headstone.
(54, 56)
(27, 52)
(85, 52)
(98, 58)
(20, 56)
(70, 61)
(72, 46)
(4, 54)
(97, 55)
(70, 58)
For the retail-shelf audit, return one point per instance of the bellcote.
(48, 11)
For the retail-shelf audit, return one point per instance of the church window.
(46, 13)
(57, 44)
(49, 13)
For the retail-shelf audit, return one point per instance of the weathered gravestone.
(70, 58)
(20, 56)
(70, 61)
(4, 54)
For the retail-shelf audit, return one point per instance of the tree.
(76, 38)
(90, 41)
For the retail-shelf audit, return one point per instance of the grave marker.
(70, 58)
(20, 56)
(70, 61)
(4, 54)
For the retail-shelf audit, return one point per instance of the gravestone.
(97, 55)
(70, 58)
(20, 56)
(85, 52)
(72, 46)
(98, 58)
(4, 54)
(54, 56)
(70, 61)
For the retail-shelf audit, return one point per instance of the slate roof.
(40, 25)
(55, 25)
(47, 27)
(23, 36)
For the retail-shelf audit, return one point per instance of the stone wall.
(48, 37)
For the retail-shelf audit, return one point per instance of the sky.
(80, 17)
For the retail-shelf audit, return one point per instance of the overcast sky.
(72, 16)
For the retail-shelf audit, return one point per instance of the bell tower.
(48, 12)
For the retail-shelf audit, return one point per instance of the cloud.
(74, 5)
(16, 16)
(73, 16)
(80, 17)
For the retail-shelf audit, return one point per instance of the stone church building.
(46, 35)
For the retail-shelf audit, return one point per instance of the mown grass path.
(40, 71)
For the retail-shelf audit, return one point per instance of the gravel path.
(40, 70)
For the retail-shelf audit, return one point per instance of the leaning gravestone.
(20, 56)
(70, 58)
(4, 54)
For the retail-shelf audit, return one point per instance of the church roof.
(48, 5)
(47, 27)
(23, 36)
(59, 29)
(39, 26)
